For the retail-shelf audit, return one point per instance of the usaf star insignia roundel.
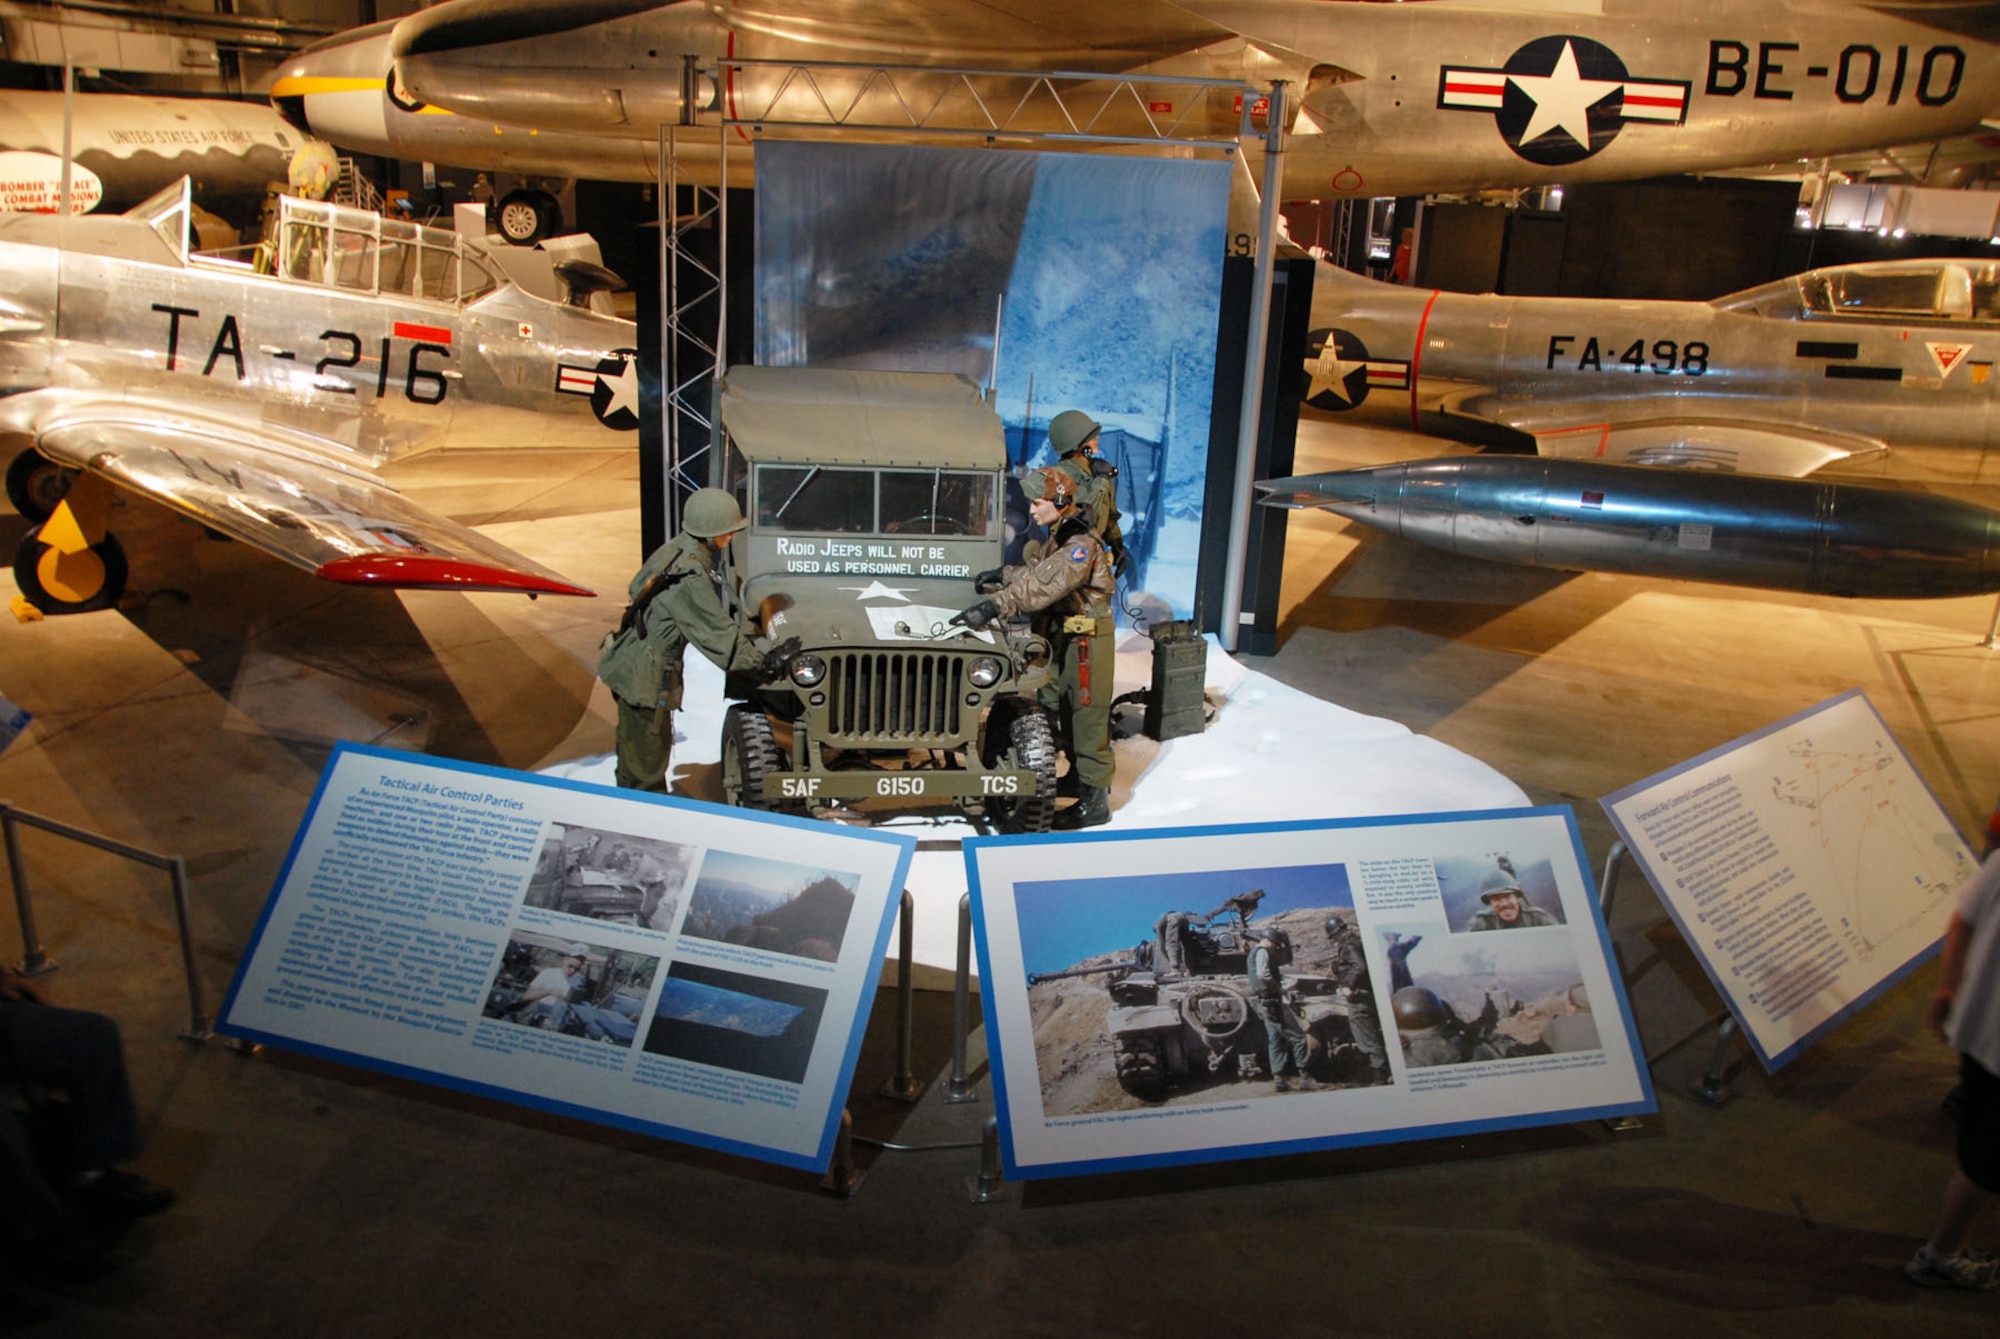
(1559, 100)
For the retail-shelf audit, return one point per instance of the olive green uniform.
(642, 665)
(1068, 588)
(1100, 494)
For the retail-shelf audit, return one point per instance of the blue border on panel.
(1013, 1169)
(871, 980)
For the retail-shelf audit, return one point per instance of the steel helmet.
(1417, 1008)
(711, 512)
(1069, 430)
(1496, 882)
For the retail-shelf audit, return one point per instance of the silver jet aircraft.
(1675, 438)
(260, 399)
(1389, 99)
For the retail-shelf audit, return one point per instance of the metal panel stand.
(987, 1187)
(842, 1177)
(1712, 1089)
(956, 1089)
(905, 1087)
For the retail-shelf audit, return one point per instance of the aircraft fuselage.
(1384, 99)
(1759, 385)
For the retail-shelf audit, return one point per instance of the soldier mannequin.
(1068, 588)
(683, 594)
(1073, 437)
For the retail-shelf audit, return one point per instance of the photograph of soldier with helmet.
(1458, 1000)
(1489, 893)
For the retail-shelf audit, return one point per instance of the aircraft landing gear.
(525, 217)
(35, 484)
(70, 564)
(69, 583)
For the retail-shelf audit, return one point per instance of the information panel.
(1807, 865)
(1434, 975)
(658, 964)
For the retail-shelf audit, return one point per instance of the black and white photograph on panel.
(1197, 987)
(1489, 892)
(610, 876)
(1456, 999)
(569, 986)
(751, 1024)
(774, 905)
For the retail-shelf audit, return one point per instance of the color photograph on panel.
(1231, 992)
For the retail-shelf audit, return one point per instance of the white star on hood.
(875, 590)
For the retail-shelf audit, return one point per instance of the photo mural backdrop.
(1104, 275)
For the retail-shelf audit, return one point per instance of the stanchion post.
(987, 1188)
(34, 962)
(905, 1087)
(842, 1177)
(1712, 1089)
(198, 1028)
(956, 1089)
(1993, 629)
(1614, 865)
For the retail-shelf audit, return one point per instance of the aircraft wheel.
(35, 484)
(69, 583)
(526, 217)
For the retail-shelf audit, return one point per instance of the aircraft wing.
(1728, 446)
(270, 489)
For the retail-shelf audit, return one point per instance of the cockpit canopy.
(1940, 291)
(335, 246)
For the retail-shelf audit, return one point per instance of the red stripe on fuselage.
(1417, 355)
(433, 334)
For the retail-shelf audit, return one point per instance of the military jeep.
(873, 500)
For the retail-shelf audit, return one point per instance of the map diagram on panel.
(1885, 865)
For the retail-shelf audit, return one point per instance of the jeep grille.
(905, 696)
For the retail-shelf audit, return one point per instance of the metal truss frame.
(1007, 108)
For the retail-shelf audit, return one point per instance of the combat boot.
(1092, 807)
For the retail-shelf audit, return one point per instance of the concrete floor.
(322, 1201)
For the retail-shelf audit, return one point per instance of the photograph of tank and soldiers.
(1462, 994)
(774, 905)
(610, 876)
(1214, 986)
(572, 987)
(1199, 987)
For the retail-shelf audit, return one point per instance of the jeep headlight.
(985, 672)
(808, 670)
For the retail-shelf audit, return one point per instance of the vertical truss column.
(691, 303)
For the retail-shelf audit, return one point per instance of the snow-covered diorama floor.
(1270, 754)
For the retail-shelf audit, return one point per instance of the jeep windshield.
(822, 500)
